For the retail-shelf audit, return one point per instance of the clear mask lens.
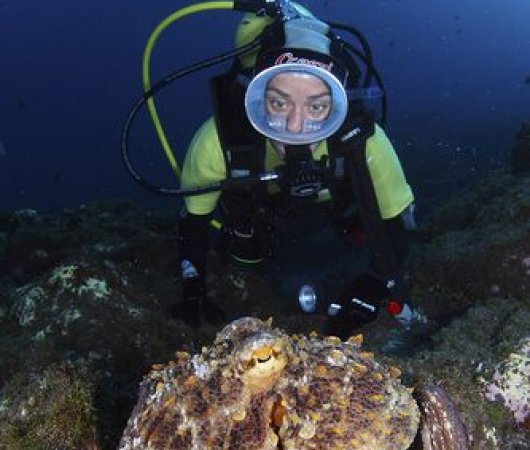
(312, 126)
(279, 124)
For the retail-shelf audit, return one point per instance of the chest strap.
(243, 148)
(351, 145)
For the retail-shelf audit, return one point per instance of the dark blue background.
(455, 72)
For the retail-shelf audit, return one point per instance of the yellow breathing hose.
(146, 64)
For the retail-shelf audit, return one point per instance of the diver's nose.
(295, 120)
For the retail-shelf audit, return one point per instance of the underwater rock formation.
(510, 383)
(475, 247)
(83, 286)
(53, 409)
(92, 285)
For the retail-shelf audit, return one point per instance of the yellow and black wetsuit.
(205, 164)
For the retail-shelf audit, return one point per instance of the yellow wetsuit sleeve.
(204, 164)
(391, 188)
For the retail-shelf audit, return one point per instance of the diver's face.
(299, 99)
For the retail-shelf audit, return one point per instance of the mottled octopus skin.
(441, 425)
(256, 388)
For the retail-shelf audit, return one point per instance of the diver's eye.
(319, 110)
(277, 104)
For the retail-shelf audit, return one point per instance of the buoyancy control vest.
(349, 177)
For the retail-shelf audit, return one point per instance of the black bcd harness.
(244, 151)
(348, 172)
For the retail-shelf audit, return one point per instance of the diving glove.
(409, 316)
(357, 305)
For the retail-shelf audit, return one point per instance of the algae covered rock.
(51, 410)
(510, 383)
(472, 361)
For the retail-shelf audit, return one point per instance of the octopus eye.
(263, 354)
(262, 366)
(264, 360)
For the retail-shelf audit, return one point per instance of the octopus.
(258, 388)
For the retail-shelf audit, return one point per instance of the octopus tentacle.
(441, 425)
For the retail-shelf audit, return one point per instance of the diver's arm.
(193, 239)
(398, 235)
(204, 165)
(362, 297)
(394, 200)
(382, 195)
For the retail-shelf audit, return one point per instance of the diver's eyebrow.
(278, 91)
(316, 96)
(287, 95)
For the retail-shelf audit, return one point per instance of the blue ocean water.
(456, 72)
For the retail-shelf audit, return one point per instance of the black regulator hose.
(152, 187)
(375, 74)
(360, 37)
(366, 57)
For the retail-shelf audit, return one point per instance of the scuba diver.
(290, 130)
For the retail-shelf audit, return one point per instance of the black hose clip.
(304, 179)
(301, 176)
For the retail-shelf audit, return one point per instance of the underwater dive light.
(307, 298)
